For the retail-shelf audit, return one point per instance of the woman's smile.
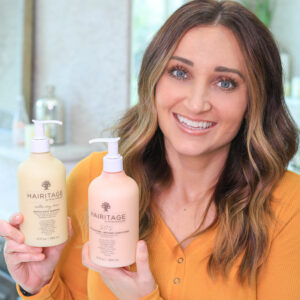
(193, 127)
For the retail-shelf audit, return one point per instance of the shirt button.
(180, 260)
(176, 280)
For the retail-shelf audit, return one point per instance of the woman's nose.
(198, 99)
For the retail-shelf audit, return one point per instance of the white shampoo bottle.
(113, 212)
(42, 193)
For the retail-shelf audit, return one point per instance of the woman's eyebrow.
(184, 60)
(217, 69)
(225, 69)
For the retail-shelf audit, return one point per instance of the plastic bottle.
(113, 212)
(42, 193)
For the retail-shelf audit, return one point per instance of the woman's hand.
(30, 267)
(124, 284)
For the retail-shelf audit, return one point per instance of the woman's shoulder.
(89, 167)
(77, 188)
(81, 176)
(288, 188)
(285, 202)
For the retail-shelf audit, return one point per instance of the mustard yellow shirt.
(181, 274)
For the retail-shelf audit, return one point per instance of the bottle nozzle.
(112, 144)
(39, 127)
(40, 143)
(113, 161)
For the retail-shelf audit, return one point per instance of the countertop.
(66, 152)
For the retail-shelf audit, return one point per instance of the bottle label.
(45, 205)
(109, 230)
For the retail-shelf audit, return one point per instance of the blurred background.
(78, 61)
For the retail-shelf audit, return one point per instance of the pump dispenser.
(40, 143)
(42, 193)
(113, 212)
(113, 161)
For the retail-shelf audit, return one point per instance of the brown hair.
(259, 153)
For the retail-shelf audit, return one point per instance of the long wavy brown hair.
(259, 153)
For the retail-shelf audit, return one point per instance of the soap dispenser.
(113, 212)
(42, 193)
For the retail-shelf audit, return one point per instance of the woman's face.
(201, 98)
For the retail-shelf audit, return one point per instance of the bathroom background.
(90, 51)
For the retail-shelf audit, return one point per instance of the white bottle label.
(44, 213)
(109, 233)
(109, 228)
(46, 210)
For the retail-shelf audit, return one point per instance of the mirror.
(15, 56)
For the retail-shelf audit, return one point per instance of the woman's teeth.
(193, 124)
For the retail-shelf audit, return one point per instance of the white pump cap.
(40, 143)
(113, 161)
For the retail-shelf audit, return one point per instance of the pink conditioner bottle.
(113, 212)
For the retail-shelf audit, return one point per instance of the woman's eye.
(227, 84)
(178, 74)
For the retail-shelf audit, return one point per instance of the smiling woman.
(214, 65)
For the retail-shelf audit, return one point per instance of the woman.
(208, 144)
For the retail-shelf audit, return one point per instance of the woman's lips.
(193, 131)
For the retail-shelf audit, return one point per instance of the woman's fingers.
(70, 228)
(123, 283)
(142, 265)
(16, 219)
(87, 262)
(12, 246)
(142, 262)
(16, 253)
(58, 248)
(107, 272)
(18, 258)
(86, 258)
(10, 232)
